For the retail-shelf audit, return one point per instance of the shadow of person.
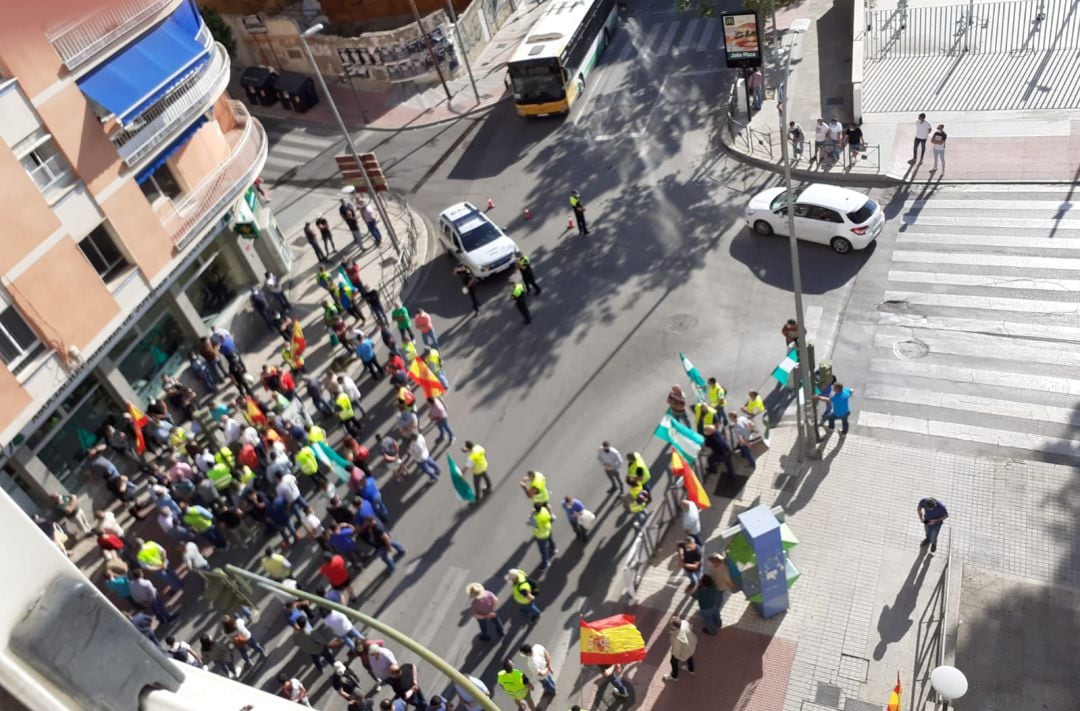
(895, 620)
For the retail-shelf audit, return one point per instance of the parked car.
(474, 240)
(841, 218)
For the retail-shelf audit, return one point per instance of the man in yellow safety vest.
(535, 485)
(478, 464)
(517, 686)
(638, 471)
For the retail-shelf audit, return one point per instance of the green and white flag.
(461, 487)
(695, 378)
(679, 436)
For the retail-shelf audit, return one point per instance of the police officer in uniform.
(517, 295)
(525, 267)
(579, 212)
(468, 285)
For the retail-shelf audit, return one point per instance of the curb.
(439, 122)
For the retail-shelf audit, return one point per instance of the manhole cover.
(682, 322)
(910, 349)
(898, 306)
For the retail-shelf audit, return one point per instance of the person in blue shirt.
(932, 513)
(370, 492)
(343, 540)
(840, 402)
(574, 508)
(364, 510)
(365, 351)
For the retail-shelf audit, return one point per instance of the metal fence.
(648, 538)
(985, 28)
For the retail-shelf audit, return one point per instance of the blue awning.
(133, 79)
(143, 175)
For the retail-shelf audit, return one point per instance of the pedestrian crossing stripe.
(978, 376)
(990, 281)
(1016, 238)
(694, 35)
(1015, 329)
(988, 303)
(1033, 412)
(971, 433)
(979, 346)
(988, 260)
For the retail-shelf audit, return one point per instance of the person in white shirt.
(342, 628)
(419, 453)
(107, 523)
(691, 521)
(821, 137)
(836, 138)
(293, 690)
(312, 523)
(378, 660)
(611, 460)
(231, 429)
(288, 488)
(922, 132)
(276, 288)
(540, 666)
(193, 557)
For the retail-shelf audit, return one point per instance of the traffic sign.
(351, 174)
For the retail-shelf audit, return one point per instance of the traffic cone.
(491, 203)
(528, 214)
(570, 223)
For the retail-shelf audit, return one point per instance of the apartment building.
(126, 170)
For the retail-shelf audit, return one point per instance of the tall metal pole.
(461, 44)
(315, 29)
(807, 445)
(431, 52)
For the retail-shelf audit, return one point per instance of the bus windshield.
(537, 82)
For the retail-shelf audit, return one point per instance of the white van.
(475, 241)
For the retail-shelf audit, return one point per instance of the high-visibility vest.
(705, 414)
(344, 405)
(220, 475)
(513, 683)
(410, 351)
(434, 359)
(637, 468)
(542, 495)
(293, 361)
(316, 434)
(523, 261)
(542, 524)
(518, 291)
(717, 396)
(226, 457)
(197, 521)
(754, 406)
(309, 463)
(519, 596)
(638, 503)
(177, 437)
(479, 461)
(151, 554)
(405, 398)
(246, 475)
(574, 201)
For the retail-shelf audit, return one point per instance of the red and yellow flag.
(612, 640)
(422, 376)
(894, 697)
(694, 490)
(297, 345)
(138, 421)
(254, 414)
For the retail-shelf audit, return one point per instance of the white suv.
(841, 218)
(474, 240)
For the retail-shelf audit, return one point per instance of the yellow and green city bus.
(549, 68)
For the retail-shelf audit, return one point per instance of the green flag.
(695, 378)
(679, 436)
(461, 487)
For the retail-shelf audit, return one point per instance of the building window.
(103, 254)
(77, 427)
(47, 168)
(161, 183)
(18, 343)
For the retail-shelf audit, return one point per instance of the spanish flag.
(138, 421)
(612, 640)
(255, 415)
(297, 345)
(694, 490)
(894, 697)
(422, 376)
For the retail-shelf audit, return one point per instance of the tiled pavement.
(868, 603)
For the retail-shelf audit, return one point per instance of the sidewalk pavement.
(403, 106)
(983, 146)
(869, 602)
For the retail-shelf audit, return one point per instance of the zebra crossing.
(680, 37)
(977, 337)
(292, 146)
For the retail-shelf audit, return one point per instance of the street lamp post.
(807, 427)
(313, 30)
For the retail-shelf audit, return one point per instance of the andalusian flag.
(422, 376)
(894, 697)
(138, 421)
(254, 415)
(695, 378)
(461, 487)
(612, 640)
(297, 344)
(332, 460)
(694, 490)
(679, 436)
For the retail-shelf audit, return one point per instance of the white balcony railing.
(80, 40)
(52, 176)
(175, 111)
(203, 205)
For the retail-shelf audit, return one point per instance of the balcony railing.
(176, 110)
(52, 176)
(78, 41)
(203, 205)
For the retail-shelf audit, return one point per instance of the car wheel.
(840, 245)
(763, 228)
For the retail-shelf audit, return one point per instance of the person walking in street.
(683, 644)
(676, 402)
(375, 535)
(840, 400)
(419, 453)
(517, 295)
(403, 320)
(67, 507)
(753, 406)
(262, 307)
(374, 302)
(709, 598)
(433, 358)
(465, 696)
(313, 239)
(146, 597)
(932, 513)
(719, 451)
(347, 414)
(797, 138)
(922, 132)
(348, 215)
(579, 212)
(235, 628)
(790, 332)
(690, 560)
(755, 82)
(937, 141)
(424, 325)
(153, 558)
(276, 288)
(345, 683)
(540, 665)
(691, 521)
(370, 215)
(293, 690)
(524, 590)
(478, 464)
(342, 628)
(524, 266)
(482, 604)
(614, 675)
(611, 461)
(742, 429)
(327, 236)
(542, 534)
(517, 686)
(574, 510)
(438, 415)
(469, 283)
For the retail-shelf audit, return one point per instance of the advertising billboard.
(742, 39)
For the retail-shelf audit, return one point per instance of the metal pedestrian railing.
(650, 533)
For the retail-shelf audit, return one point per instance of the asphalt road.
(669, 267)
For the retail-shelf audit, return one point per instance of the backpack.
(534, 587)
